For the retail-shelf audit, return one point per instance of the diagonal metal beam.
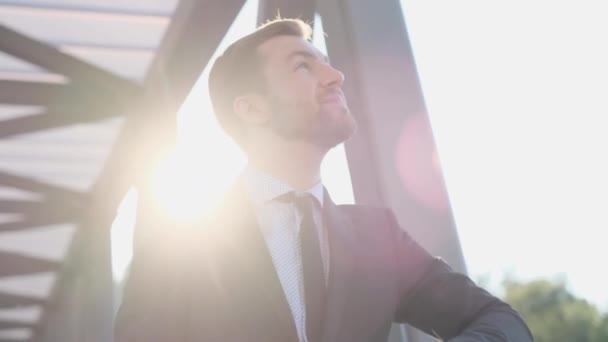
(22, 206)
(8, 300)
(36, 186)
(270, 9)
(180, 60)
(43, 218)
(53, 118)
(16, 325)
(196, 29)
(12, 264)
(56, 95)
(93, 93)
(59, 205)
(369, 43)
(66, 104)
(30, 93)
(52, 59)
(36, 207)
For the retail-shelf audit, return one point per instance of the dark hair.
(238, 70)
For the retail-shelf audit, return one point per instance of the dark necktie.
(312, 266)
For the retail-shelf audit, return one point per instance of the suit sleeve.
(448, 304)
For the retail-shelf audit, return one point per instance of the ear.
(252, 108)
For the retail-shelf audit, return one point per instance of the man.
(277, 260)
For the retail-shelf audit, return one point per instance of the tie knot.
(303, 201)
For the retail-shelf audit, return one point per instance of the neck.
(295, 163)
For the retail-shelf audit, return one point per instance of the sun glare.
(122, 235)
(188, 181)
(187, 186)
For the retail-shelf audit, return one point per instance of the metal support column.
(270, 9)
(96, 271)
(392, 157)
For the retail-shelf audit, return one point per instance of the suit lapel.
(342, 266)
(250, 265)
(245, 267)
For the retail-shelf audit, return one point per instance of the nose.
(332, 77)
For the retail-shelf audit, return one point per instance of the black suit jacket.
(214, 281)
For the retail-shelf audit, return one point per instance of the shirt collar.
(264, 188)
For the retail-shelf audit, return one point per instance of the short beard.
(292, 125)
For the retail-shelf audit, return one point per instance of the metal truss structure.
(81, 121)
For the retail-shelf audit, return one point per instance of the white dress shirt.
(280, 223)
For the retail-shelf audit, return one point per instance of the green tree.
(554, 314)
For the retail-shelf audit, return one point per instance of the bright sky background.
(517, 95)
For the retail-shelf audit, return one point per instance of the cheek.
(299, 88)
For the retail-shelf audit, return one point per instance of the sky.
(516, 95)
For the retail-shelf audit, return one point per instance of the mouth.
(332, 98)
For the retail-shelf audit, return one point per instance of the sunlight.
(121, 235)
(187, 185)
(205, 162)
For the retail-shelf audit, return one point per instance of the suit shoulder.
(370, 219)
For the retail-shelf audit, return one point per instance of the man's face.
(304, 93)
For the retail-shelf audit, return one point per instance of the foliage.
(554, 314)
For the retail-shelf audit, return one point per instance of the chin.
(336, 134)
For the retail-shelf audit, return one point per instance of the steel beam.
(25, 224)
(61, 319)
(29, 93)
(271, 9)
(53, 119)
(391, 158)
(8, 300)
(21, 206)
(13, 264)
(44, 217)
(45, 189)
(49, 57)
(196, 29)
(30, 208)
(66, 105)
(15, 325)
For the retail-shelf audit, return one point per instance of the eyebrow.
(307, 54)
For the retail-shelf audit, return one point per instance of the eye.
(302, 65)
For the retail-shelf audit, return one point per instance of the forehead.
(279, 49)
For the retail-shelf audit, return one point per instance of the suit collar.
(262, 187)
